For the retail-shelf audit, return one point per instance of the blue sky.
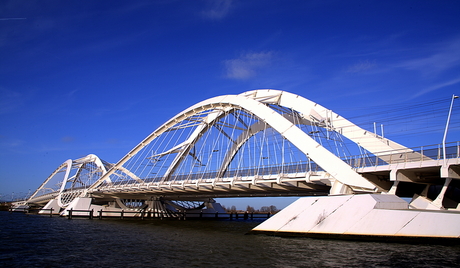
(80, 77)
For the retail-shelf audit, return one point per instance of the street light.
(445, 131)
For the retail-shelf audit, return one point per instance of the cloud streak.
(13, 18)
(447, 57)
(217, 9)
(361, 66)
(247, 65)
(437, 86)
(68, 139)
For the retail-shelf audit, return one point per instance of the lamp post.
(447, 127)
(438, 201)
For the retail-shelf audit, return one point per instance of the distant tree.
(249, 209)
(233, 209)
(265, 209)
(273, 209)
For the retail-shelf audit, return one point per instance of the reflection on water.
(39, 241)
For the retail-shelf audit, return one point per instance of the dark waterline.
(40, 241)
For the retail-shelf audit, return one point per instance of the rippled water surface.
(40, 241)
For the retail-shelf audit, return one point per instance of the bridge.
(258, 143)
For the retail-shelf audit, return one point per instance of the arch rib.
(67, 164)
(314, 112)
(328, 161)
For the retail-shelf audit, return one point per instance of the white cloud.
(437, 86)
(10, 143)
(246, 65)
(446, 57)
(361, 66)
(217, 9)
(68, 139)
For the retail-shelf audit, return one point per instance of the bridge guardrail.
(416, 154)
(421, 153)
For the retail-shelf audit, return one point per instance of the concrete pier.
(361, 216)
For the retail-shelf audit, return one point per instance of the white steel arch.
(73, 171)
(313, 113)
(316, 113)
(256, 102)
(67, 166)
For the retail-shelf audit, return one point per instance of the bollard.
(121, 214)
(91, 214)
(236, 215)
(100, 214)
(51, 212)
(70, 214)
(246, 215)
(217, 214)
(268, 215)
(231, 215)
(201, 214)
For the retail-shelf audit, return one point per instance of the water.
(40, 241)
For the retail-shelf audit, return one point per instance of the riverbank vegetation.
(264, 209)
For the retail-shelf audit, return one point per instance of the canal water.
(41, 241)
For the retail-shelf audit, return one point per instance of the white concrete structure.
(367, 216)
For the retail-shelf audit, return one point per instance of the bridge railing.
(300, 168)
(416, 154)
(297, 169)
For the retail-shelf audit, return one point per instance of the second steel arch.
(255, 103)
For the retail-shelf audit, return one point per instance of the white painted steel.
(316, 113)
(255, 103)
(367, 214)
(67, 167)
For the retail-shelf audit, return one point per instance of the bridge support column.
(393, 188)
(399, 175)
(157, 208)
(52, 206)
(424, 193)
(449, 173)
(394, 179)
(438, 201)
(339, 188)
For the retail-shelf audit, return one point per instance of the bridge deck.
(299, 179)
